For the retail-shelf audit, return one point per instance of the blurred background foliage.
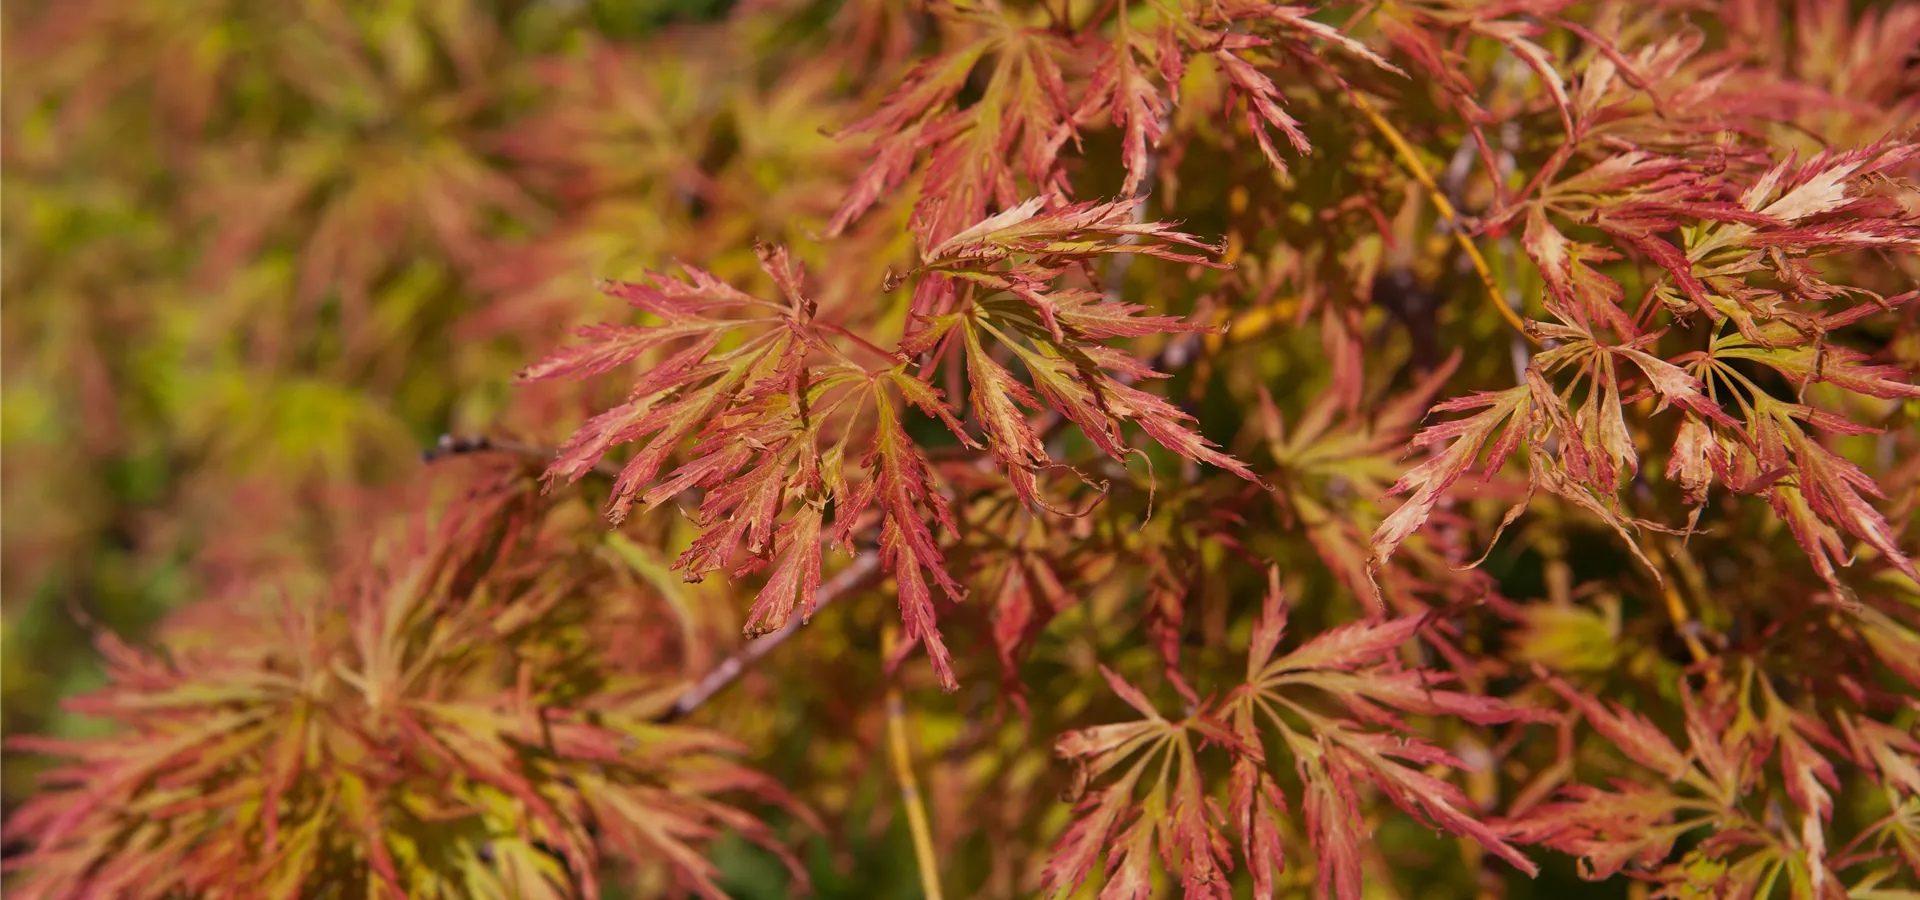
(258, 257)
(254, 252)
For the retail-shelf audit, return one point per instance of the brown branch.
(730, 669)
(1410, 161)
(1683, 622)
(448, 445)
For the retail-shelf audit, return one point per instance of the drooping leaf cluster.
(470, 711)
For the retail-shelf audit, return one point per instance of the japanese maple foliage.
(1202, 448)
(444, 722)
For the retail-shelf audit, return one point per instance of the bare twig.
(1512, 71)
(448, 445)
(730, 670)
(1411, 162)
(897, 748)
(1683, 622)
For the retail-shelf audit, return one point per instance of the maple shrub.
(1119, 448)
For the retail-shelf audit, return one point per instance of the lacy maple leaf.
(1334, 704)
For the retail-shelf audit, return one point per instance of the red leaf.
(795, 580)
(1634, 735)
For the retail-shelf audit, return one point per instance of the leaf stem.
(1411, 162)
(909, 785)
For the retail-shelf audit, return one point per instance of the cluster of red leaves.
(1704, 246)
(1334, 704)
(442, 724)
(978, 153)
(1655, 172)
(1792, 212)
(1740, 756)
(777, 403)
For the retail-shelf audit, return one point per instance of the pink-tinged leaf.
(1130, 99)
(1263, 107)
(1350, 646)
(1160, 420)
(1432, 478)
(1820, 185)
(1631, 733)
(1820, 540)
(1609, 830)
(1195, 841)
(1896, 645)
(1549, 250)
(1079, 230)
(1809, 776)
(1698, 457)
(1268, 629)
(1891, 755)
(907, 546)
(1830, 486)
(1130, 694)
(1414, 691)
(789, 274)
(1333, 820)
(997, 399)
(1416, 792)
(1130, 862)
(1296, 17)
(616, 345)
(1068, 380)
(1675, 386)
(975, 238)
(1256, 807)
(1099, 747)
(1514, 35)
(1086, 839)
(900, 127)
(795, 580)
(1421, 44)
(1670, 258)
(1825, 364)
(697, 295)
(1091, 321)
(977, 153)
(927, 399)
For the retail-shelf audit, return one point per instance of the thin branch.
(1418, 170)
(448, 445)
(898, 749)
(730, 670)
(1683, 621)
(1513, 72)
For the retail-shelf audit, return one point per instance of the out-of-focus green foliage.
(240, 244)
(255, 255)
